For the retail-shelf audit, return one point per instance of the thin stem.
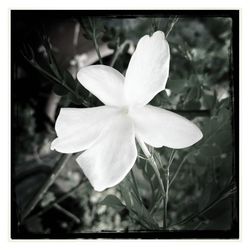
(151, 160)
(141, 222)
(171, 158)
(136, 186)
(157, 173)
(97, 48)
(200, 213)
(118, 52)
(93, 27)
(166, 198)
(175, 20)
(38, 196)
(51, 77)
(59, 200)
(156, 205)
(67, 213)
(179, 168)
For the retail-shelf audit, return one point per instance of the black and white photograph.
(124, 124)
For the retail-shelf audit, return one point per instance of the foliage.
(202, 183)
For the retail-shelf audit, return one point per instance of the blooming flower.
(107, 133)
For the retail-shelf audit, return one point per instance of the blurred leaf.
(87, 36)
(177, 86)
(51, 58)
(48, 198)
(227, 192)
(60, 90)
(192, 105)
(114, 202)
(74, 99)
(112, 45)
(69, 80)
(150, 176)
(193, 94)
(143, 213)
(210, 150)
(134, 205)
(217, 134)
(210, 100)
(92, 27)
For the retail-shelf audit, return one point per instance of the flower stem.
(151, 160)
(94, 38)
(178, 169)
(38, 196)
(175, 20)
(97, 48)
(67, 213)
(167, 188)
(59, 200)
(135, 184)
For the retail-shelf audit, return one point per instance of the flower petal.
(78, 128)
(112, 156)
(148, 69)
(159, 127)
(104, 82)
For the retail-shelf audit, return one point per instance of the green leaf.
(209, 100)
(69, 80)
(74, 99)
(125, 195)
(143, 213)
(193, 94)
(134, 205)
(52, 61)
(113, 201)
(224, 115)
(178, 85)
(126, 48)
(224, 138)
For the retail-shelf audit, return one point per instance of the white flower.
(107, 133)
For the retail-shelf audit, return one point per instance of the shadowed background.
(203, 192)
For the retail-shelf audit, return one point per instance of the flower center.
(125, 110)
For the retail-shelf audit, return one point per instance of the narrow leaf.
(114, 202)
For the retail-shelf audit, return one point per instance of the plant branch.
(97, 48)
(59, 200)
(135, 184)
(38, 196)
(171, 158)
(175, 20)
(178, 169)
(156, 205)
(94, 39)
(118, 52)
(51, 77)
(226, 193)
(67, 213)
(152, 162)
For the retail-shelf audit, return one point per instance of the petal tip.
(159, 33)
(99, 189)
(52, 145)
(200, 134)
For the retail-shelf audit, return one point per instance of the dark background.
(204, 87)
